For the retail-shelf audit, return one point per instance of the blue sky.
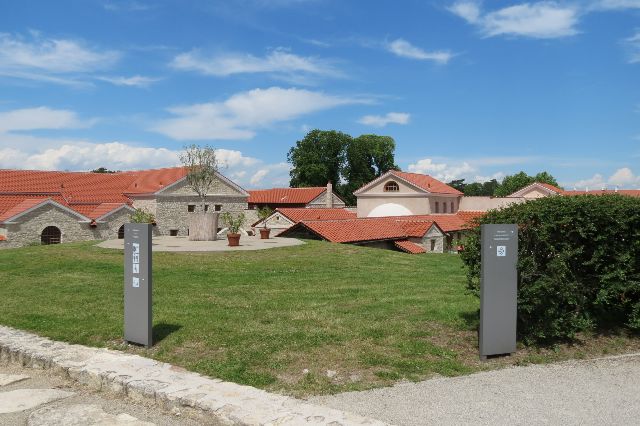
(468, 89)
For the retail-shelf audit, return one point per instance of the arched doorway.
(121, 233)
(50, 235)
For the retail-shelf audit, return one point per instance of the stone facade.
(320, 202)
(433, 241)
(30, 226)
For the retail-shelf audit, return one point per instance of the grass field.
(310, 319)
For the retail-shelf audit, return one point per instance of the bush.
(578, 266)
(142, 216)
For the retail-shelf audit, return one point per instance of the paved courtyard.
(596, 392)
(166, 243)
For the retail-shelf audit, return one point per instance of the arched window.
(391, 186)
(50, 235)
(121, 233)
(437, 207)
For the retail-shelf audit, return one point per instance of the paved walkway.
(595, 392)
(37, 397)
(165, 243)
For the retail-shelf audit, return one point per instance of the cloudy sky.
(468, 89)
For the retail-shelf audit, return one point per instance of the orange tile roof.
(90, 194)
(285, 195)
(446, 222)
(409, 247)
(551, 187)
(20, 207)
(415, 228)
(3, 238)
(427, 183)
(298, 214)
(354, 230)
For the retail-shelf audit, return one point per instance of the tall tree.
(367, 157)
(516, 182)
(318, 158)
(202, 165)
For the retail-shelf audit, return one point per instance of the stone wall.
(30, 226)
(172, 211)
(320, 202)
(145, 203)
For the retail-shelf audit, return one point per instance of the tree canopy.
(202, 165)
(508, 186)
(330, 156)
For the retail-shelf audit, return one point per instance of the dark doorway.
(50, 235)
(121, 233)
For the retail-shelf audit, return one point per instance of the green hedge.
(578, 266)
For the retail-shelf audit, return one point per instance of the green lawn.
(264, 318)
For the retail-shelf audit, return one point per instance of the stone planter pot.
(234, 240)
(264, 233)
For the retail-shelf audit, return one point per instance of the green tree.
(516, 182)
(458, 184)
(318, 158)
(478, 188)
(367, 157)
(102, 170)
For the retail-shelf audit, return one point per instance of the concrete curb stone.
(144, 379)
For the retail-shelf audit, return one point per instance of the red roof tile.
(298, 214)
(354, 230)
(285, 195)
(415, 228)
(427, 183)
(446, 222)
(90, 194)
(409, 247)
(21, 207)
(3, 238)
(551, 187)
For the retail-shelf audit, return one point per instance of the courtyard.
(247, 242)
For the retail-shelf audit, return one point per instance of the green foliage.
(102, 170)
(367, 157)
(578, 266)
(318, 158)
(234, 221)
(331, 156)
(516, 182)
(476, 188)
(202, 164)
(263, 213)
(142, 216)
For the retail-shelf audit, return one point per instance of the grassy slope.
(261, 318)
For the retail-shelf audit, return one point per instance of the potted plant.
(234, 223)
(263, 214)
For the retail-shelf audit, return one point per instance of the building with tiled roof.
(283, 218)
(404, 194)
(53, 206)
(311, 197)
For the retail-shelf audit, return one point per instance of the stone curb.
(168, 386)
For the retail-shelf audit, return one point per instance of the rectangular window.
(433, 245)
(452, 207)
(218, 207)
(444, 207)
(191, 208)
(437, 207)
(206, 207)
(173, 232)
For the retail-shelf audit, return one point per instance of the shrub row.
(578, 266)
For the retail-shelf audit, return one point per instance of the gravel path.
(594, 392)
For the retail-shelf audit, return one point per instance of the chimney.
(328, 199)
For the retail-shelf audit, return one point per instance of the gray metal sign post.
(137, 284)
(498, 290)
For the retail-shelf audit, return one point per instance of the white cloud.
(633, 45)
(614, 4)
(622, 178)
(545, 19)
(467, 10)
(278, 62)
(134, 81)
(442, 171)
(383, 120)
(239, 116)
(278, 175)
(405, 49)
(40, 118)
(53, 60)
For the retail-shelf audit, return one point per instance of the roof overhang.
(219, 175)
(45, 202)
